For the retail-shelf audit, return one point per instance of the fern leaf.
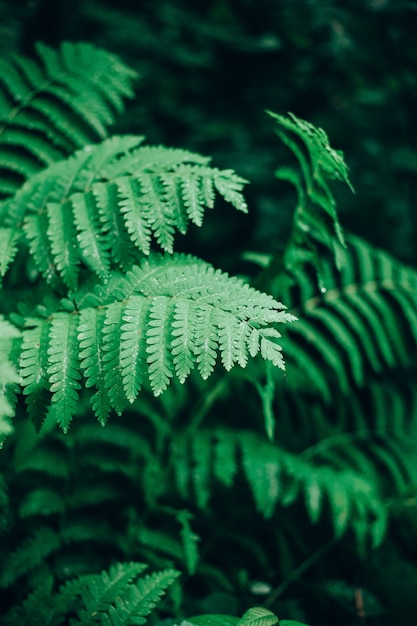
(183, 345)
(63, 367)
(344, 327)
(57, 102)
(33, 369)
(159, 358)
(8, 248)
(113, 364)
(62, 235)
(133, 347)
(101, 590)
(112, 203)
(262, 469)
(93, 247)
(92, 362)
(28, 556)
(110, 599)
(136, 213)
(41, 502)
(189, 541)
(206, 341)
(8, 377)
(225, 465)
(121, 237)
(35, 609)
(175, 313)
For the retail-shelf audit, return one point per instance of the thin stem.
(298, 572)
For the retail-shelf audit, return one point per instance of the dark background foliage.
(208, 71)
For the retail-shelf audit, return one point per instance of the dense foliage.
(295, 490)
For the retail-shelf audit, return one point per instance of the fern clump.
(103, 316)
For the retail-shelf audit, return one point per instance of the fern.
(54, 104)
(109, 600)
(362, 322)
(119, 597)
(28, 556)
(81, 210)
(316, 206)
(120, 343)
(277, 477)
(8, 378)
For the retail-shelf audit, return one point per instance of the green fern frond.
(92, 359)
(63, 367)
(51, 105)
(119, 346)
(362, 322)
(101, 590)
(28, 555)
(189, 541)
(8, 377)
(278, 478)
(84, 209)
(35, 610)
(315, 214)
(116, 599)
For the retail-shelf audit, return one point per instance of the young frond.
(53, 104)
(107, 203)
(316, 208)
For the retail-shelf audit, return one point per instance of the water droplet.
(323, 290)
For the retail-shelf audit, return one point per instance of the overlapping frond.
(53, 104)
(28, 555)
(164, 318)
(110, 201)
(277, 477)
(117, 597)
(363, 321)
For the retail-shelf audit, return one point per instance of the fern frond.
(8, 377)
(92, 359)
(35, 610)
(28, 555)
(115, 600)
(277, 477)
(189, 541)
(63, 367)
(360, 324)
(109, 202)
(117, 346)
(51, 105)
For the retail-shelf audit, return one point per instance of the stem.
(298, 572)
